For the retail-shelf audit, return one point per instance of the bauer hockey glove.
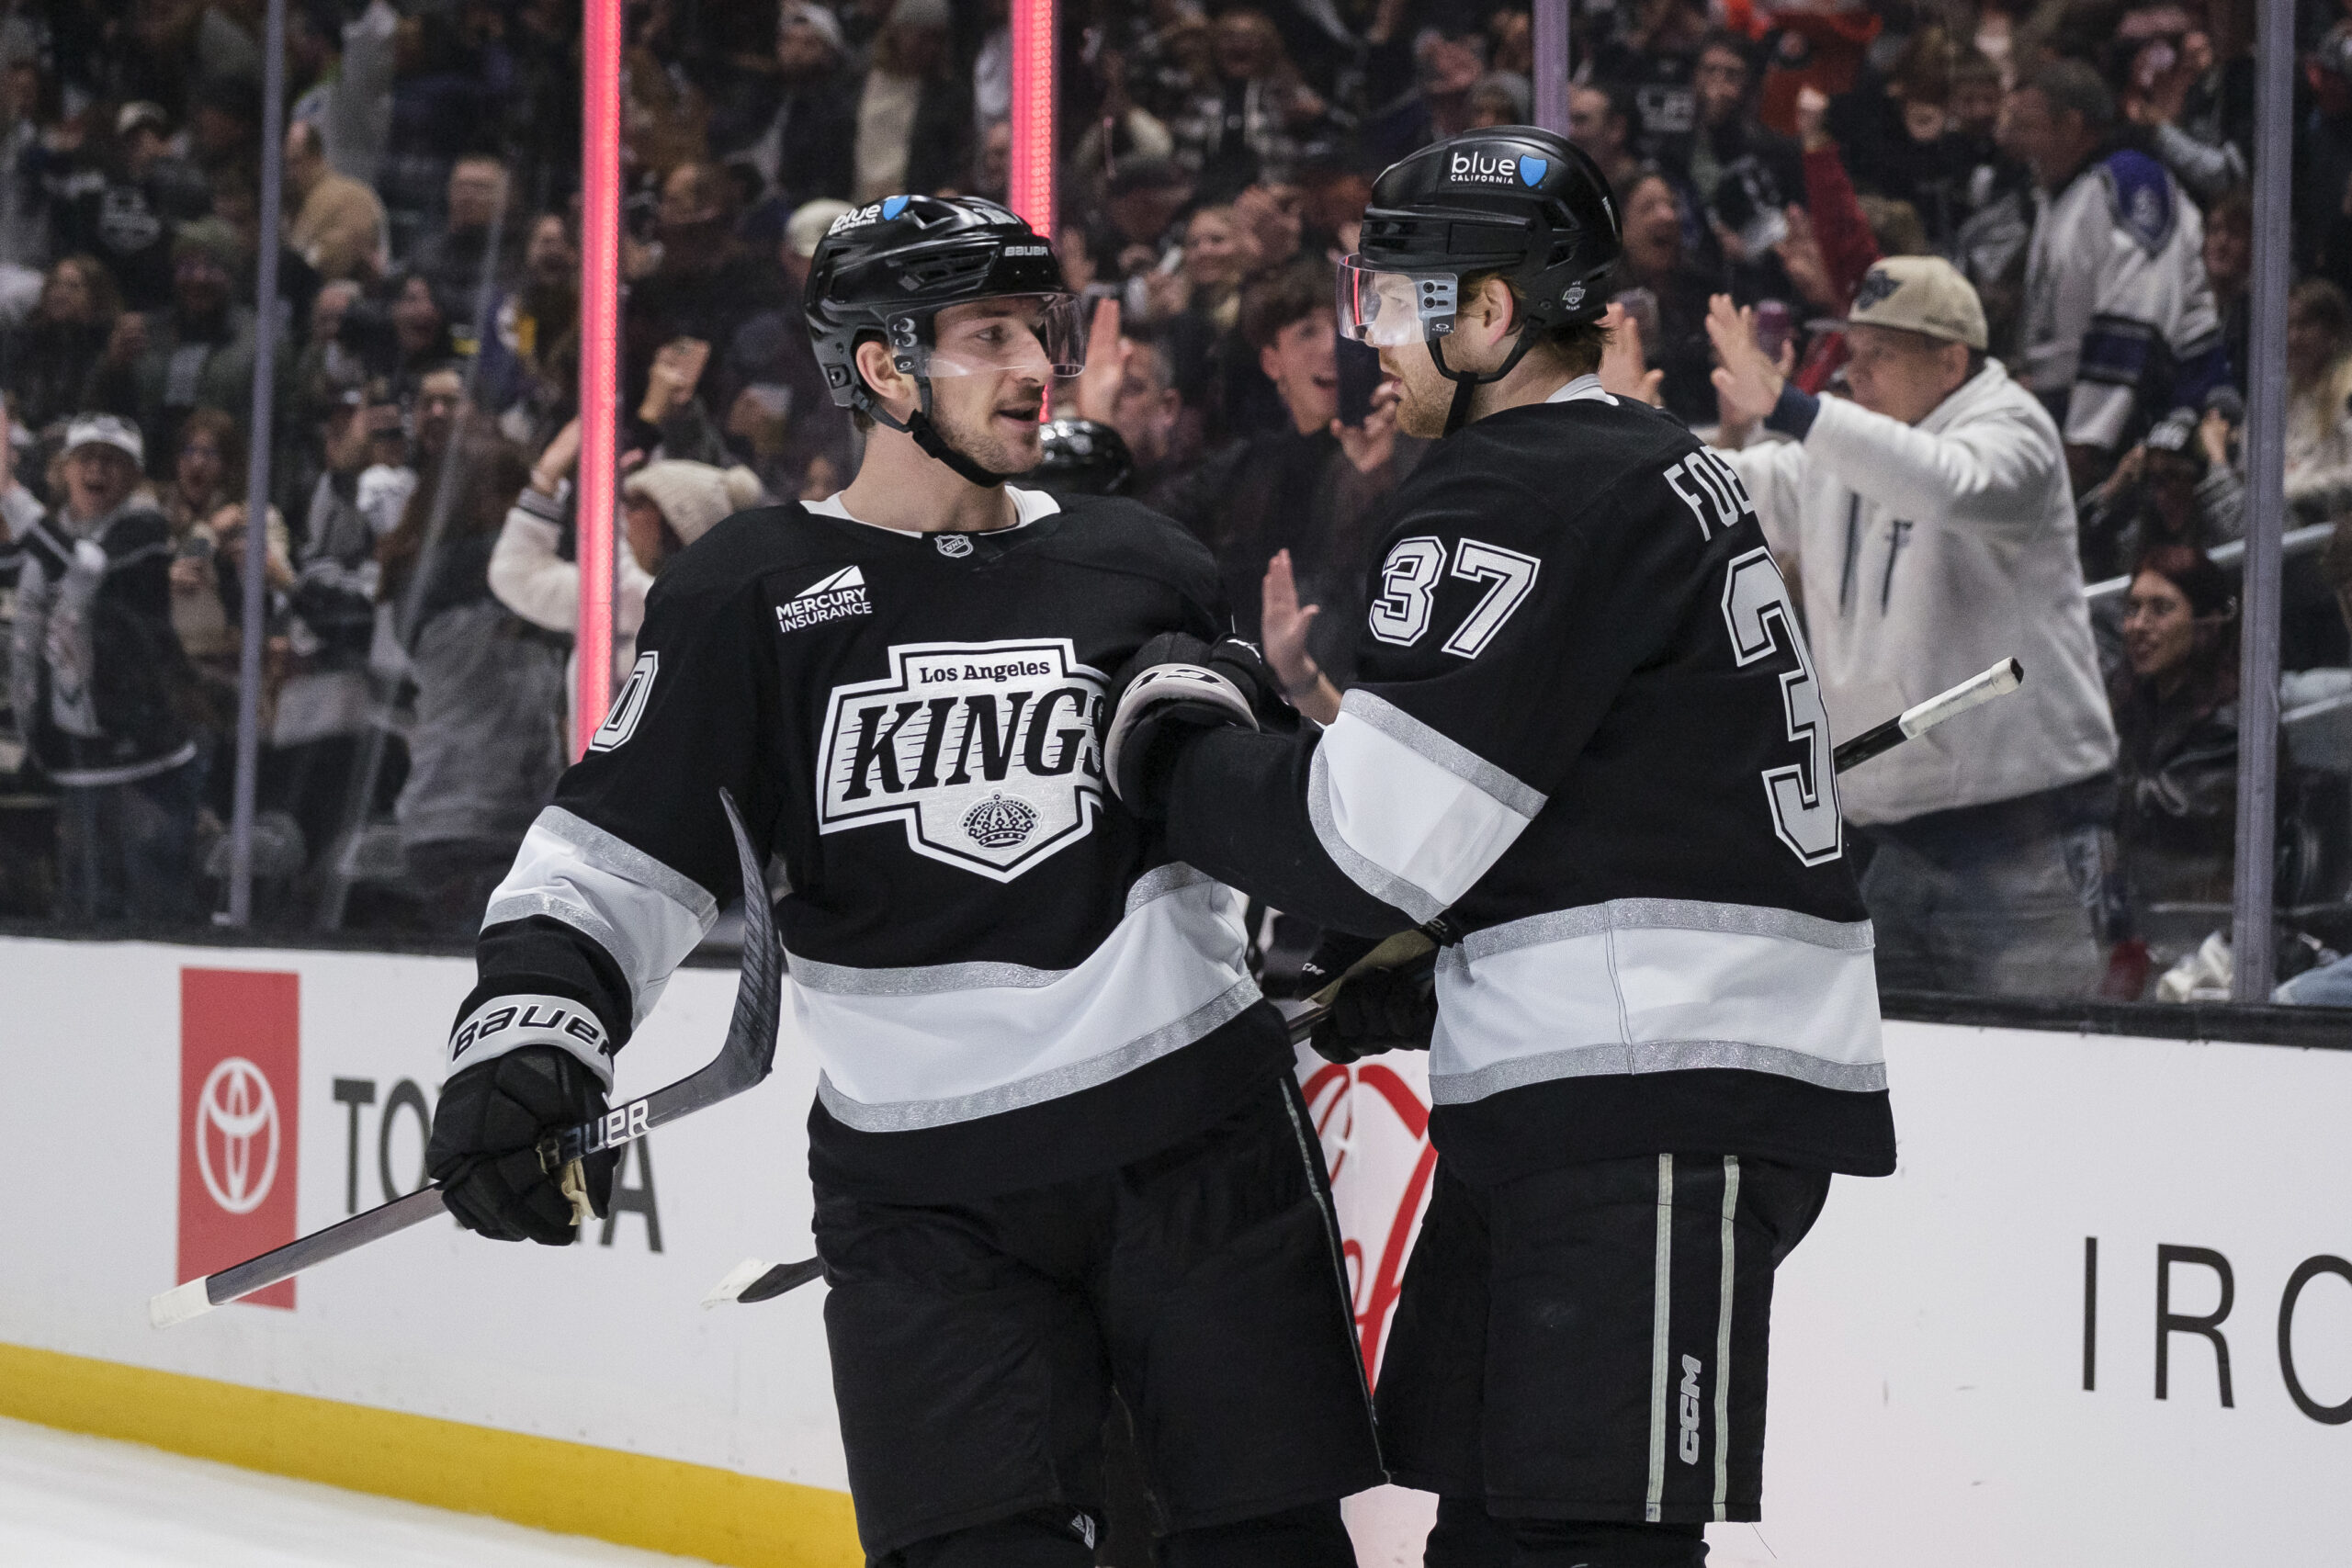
(485, 1149)
(1178, 684)
(1376, 1008)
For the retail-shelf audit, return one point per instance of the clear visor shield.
(1008, 334)
(1390, 310)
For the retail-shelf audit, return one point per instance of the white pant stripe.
(1723, 1344)
(1661, 1301)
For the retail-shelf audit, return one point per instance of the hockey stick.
(754, 1281)
(1921, 718)
(742, 1061)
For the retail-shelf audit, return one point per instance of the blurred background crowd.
(1215, 159)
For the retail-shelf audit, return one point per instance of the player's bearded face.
(987, 403)
(1424, 395)
(1478, 342)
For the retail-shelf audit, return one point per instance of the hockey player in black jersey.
(1057, 1145)
(1586, 753)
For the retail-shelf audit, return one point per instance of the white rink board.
(1927, 1407)
(1927, 1403)
(589, 1344)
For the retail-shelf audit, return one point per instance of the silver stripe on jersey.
(1661, 1320)
(1655, 986)
(1723, 1340)
(647, 916)
(1444, 750)
(904, 1049)
(906, 1116)
(1671, 914)
(1411, 816)
(939, 979)
(617, 855)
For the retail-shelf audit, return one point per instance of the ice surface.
(69, 1501)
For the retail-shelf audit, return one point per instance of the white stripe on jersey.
(647, 916)
(1414, 817)
(1656, 985)
(928, 1046)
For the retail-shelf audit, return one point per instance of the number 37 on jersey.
(1758, 620)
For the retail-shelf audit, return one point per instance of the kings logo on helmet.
(984, 752)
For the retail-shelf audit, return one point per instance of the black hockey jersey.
(1586, 734)
(1006, 979)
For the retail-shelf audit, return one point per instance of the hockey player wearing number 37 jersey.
(1057, 1147)
(1587, 754)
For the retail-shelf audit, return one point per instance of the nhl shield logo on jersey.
(985, 752)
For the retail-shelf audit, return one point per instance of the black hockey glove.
(1375, 1010)
(484, 1150)
(1175, 686)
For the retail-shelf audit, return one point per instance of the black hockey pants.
(1308, 1536)
(1468, 1537)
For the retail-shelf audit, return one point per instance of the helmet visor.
(1389, 309)
(1007, 333)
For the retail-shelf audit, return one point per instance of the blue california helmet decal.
(893, 206)
(1532, 170)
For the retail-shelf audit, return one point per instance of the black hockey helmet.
(1084, 457)
(1517, 200)
(885, 271)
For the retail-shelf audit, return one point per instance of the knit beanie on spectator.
(693, 497)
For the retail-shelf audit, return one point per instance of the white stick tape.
(738, 1278)
(179, 1303)
(1999, 681)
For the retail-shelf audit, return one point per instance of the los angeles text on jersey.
(985, 752)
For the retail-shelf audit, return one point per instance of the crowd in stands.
(2083, 164)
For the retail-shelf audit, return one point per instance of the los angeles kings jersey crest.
(986, 751)
(1004, 974)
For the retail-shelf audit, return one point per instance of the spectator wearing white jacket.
(1931, 528)
(665, 506)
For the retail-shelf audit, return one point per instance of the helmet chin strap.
(1467, 382)
(927, 436)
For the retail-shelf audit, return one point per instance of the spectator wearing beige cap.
(1929, 521)
(777, 404)
(665, 507)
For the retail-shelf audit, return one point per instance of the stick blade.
(782, 1278)
(754, 1281)
(737, 1280)
(179, 1303)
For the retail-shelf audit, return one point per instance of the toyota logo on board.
(236, 1135)
(240, 1119)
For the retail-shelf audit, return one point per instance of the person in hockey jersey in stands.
(1587, 753)
(1057, 1145)
(2119, 321)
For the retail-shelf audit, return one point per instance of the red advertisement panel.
(240, 1050)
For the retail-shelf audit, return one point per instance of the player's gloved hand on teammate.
(484, 1148)
(1375, 1009)
(1176, 685)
